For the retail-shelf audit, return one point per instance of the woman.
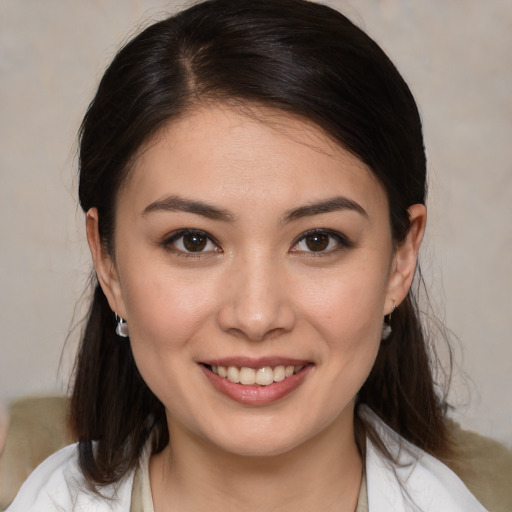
(253, 178)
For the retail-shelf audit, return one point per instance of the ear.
(405, 258)
(104, 265)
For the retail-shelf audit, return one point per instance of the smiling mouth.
(264, 376)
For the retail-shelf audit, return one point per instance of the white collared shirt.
(417, 482)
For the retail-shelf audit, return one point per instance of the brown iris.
(194, 242)
(317, 242)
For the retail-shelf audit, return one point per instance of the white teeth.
(247, 376)
(234, 374)
(263, 376)
(279, 373)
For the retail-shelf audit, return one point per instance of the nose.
(256, 302)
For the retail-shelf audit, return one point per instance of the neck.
(323, 473)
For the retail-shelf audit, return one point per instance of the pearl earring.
(386, 328)
(121, 327)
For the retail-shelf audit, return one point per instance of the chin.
(257, 447)
(260, 439)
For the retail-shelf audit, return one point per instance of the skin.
(256, 290)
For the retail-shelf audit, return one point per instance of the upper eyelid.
(340, 237)
(188, 231)
(175, 235)
(335, 234)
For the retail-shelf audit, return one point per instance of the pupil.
(317, 242)
(194, 243)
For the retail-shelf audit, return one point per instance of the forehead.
(227, 155)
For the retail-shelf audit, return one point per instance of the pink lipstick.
(238, 378)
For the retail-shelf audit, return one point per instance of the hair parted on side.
(298, 57)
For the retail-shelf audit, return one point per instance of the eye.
(191, 241)
(320, 241)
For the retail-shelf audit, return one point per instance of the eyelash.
(170, 243)
(341, 241)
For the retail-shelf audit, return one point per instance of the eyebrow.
(334, 204)
(175, 203)
(180, 204)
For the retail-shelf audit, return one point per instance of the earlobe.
(103, 264)
(405, 258)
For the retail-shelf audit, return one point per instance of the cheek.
(166, 316)
(348, 318)
(350, 323)
(348, 306)
(164, 309)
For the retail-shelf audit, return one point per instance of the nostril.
(274, 333)
(256, 317)
(252, 336)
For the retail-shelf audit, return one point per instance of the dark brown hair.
(293, 55)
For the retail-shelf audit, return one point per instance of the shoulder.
(485, 466)
(413, 479)
(58, 485)
(37, 429)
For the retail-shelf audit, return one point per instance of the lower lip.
(256, 395)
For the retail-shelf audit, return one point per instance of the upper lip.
(260, 362)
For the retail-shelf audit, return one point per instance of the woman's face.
(257, 249)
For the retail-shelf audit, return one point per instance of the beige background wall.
(455, 54)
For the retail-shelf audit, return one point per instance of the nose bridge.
(256, 304)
